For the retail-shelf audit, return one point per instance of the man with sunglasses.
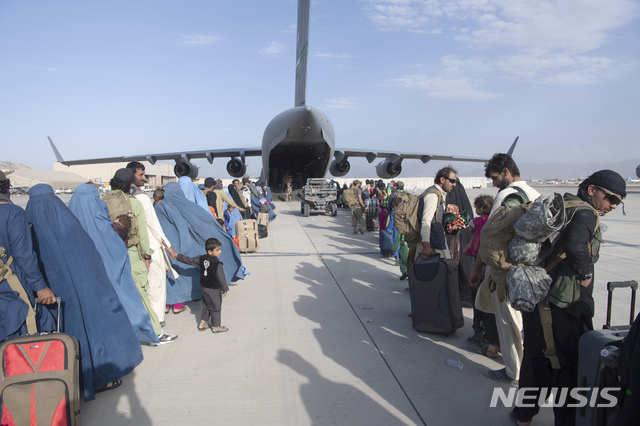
(433, 207)
(580, 240)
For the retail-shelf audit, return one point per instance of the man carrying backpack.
(357, 208)
(580, 240)
(121, 203)
(433, 240)
(513, 191)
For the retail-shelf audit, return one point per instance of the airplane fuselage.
(299, 143)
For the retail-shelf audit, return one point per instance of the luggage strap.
(545, 320)
(14, 283)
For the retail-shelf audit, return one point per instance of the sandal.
(488, 350)
(166, 310)
(203, 326)
(184, 308)
(220, 329)
(109, 386)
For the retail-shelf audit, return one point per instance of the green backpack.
(349, 197)
(405, 214)
(118, 204)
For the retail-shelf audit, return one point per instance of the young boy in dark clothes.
(213, 283)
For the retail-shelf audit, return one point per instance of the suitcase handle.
(612, 285)
(58, 301)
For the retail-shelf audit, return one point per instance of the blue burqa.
(188, 226)
(255, 203)
(93, 215)
(15, 238)
(192, 193)
(91, 309)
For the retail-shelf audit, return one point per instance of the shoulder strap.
(427, 192)
(521, 195)
(574, 204)
(545, 319)
(14, 283)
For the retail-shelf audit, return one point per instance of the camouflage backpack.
(118, 204)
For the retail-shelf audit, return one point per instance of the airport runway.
(320, 334)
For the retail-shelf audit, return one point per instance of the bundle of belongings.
(455, 220)
(523, 240)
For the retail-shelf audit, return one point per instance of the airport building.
(158, 174)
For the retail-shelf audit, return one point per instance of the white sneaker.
(166, 338)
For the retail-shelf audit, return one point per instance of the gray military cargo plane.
(298, 142)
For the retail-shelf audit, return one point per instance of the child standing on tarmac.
(213, 283)
(485, 333)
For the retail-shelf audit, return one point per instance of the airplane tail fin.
(55, 151)
(302, 52)
(513, 146)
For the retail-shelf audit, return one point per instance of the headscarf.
(93, 215)
(188, 227)
(91, 309)
(192, 193)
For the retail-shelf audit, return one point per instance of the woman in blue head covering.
(192, 193)
(188, 226)
(93, 215)
(91, 309)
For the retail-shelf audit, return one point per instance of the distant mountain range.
(8, 165)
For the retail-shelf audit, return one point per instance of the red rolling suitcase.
(40, 379)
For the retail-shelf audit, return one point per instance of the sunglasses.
(452, 180)
(612, 199)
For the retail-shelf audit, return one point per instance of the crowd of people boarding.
(119, 262)
(539, 346)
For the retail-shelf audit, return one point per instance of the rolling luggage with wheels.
(373, 223)
(40, 379)
(247, 232)
(435, 296)
(597, 368)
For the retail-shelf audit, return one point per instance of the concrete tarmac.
(320, 334)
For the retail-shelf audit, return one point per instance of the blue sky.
(107, 78)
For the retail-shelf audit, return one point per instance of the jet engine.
(236, 167)
(185, 169)
(388, 170)
(339, 168)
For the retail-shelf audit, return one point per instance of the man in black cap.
(580, 241)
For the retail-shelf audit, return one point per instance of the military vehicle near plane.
(319, 195)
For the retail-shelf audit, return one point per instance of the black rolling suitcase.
(435, 296)
(597, 368)
(40, 379)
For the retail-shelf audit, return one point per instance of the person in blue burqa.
(263, 198)
(91, 309)
(20, 276)
(188, 226)
(93, 215)
(192, 193)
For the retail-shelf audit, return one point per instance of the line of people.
(500, 330)
(114, 261)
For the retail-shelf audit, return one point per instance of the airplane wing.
(394, 157)
(183, 156)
